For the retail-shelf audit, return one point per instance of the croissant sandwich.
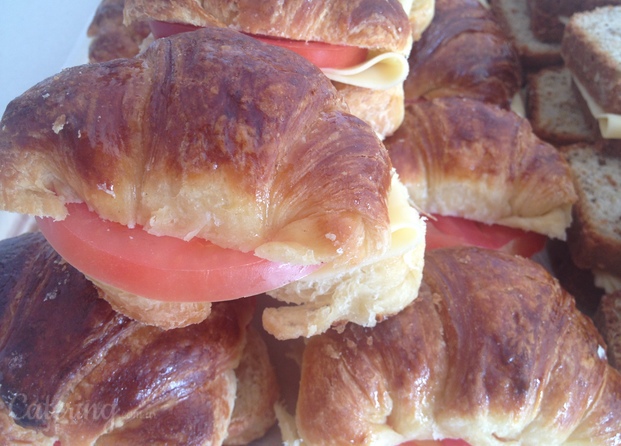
(74, 372)
(492, 352)
(464, 52)
(482, 174)
(361, 45)
(212, 167)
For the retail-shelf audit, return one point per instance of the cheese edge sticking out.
(609, 123)
(380, 72)
(518, 105)
(407, 229)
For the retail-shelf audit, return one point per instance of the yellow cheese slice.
(378, 72)
(407, 228)
(609, 123)
(517, 104)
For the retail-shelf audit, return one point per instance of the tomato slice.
(162, 268)
(323, 55)
(444, 231)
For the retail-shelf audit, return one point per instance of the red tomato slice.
(443, 231)
(162, 268)
(323, 55)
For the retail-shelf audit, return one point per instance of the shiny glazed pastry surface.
(74, 370)
(208, 134)
(381, 24)
(493, 351)
(463, 157)
(464, 52)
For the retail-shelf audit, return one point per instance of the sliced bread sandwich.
(553, 108)
(594, 237)
(591, 50)
(549, 17)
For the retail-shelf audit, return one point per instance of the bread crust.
(464, 52)
(86, 373)
(586, 53)
(462, 157)
(478, 356)
(379, 24)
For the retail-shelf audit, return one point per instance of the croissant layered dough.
(492, 351)
(464, 52)
(466, 158)
(376, 288)
(153, 146)
(382, 25)
(386, 28)
(73, 370)
(208, 134)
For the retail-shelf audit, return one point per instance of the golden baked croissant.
(75, 371)
(493, 351)
(464, 52)
(466, 158)
(213, 135)
(110, 38)
(383, 27)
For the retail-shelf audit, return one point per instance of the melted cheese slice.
(609, 123)
(407, 230)
(379, 72)
(517, 104)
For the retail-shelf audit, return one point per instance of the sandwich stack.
(410, 336)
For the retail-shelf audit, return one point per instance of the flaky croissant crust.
(464, 52)
(492, 351)
(463, 157)
(380, 24)
(209, 134)
(73, 369)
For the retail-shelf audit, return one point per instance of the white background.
(37, 39)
